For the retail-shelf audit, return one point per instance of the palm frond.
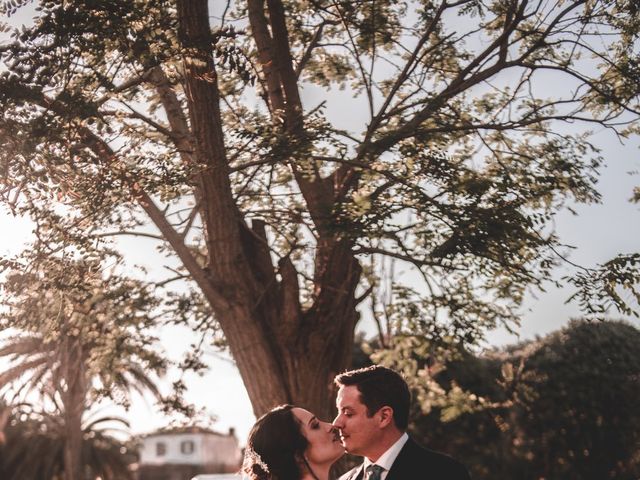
(143, 381)
(21, 345)
(92, 425)
(17, 371)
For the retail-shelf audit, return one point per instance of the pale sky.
(598, 232)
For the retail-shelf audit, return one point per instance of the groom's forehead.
(348, 396)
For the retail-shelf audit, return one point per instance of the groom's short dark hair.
(380, 386)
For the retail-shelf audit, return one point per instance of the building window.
(187, 447)
(161, 449)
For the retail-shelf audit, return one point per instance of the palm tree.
(76, 335)
(35, 446)
(59, 369)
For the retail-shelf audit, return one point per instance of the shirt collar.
(387, 458)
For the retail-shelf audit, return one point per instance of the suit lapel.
(403, 466)
(358, 473)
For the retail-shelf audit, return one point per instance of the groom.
(373, 413)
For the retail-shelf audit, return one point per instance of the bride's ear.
(302, 462)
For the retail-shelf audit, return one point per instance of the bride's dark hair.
(276, 446)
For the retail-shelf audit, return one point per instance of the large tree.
(207, 125)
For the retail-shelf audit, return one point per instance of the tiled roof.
(182, 430)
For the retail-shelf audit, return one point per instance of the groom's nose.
(337, 422)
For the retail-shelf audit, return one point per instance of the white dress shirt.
(387, 458)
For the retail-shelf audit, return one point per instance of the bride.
(290, 443)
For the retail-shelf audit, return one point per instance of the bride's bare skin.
(291, 442)
(324, 445)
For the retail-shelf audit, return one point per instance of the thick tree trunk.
(298, 368)
(285, 354)
(285, 358)
(232, 287)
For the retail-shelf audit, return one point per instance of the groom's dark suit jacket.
(416, 462)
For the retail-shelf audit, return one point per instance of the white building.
(181, 453)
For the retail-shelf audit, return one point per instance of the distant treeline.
(563, 407)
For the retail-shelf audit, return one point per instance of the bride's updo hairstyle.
(275, 447)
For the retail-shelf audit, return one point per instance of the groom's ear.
(386, 416)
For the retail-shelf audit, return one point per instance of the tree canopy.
(214, 126)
